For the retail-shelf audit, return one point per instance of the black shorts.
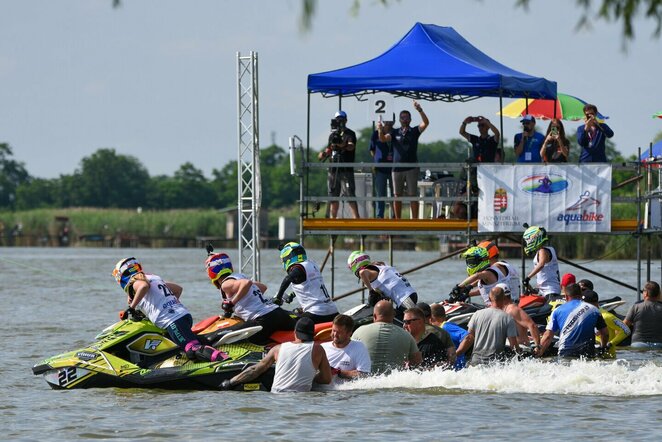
(319, 319)
(341, 181)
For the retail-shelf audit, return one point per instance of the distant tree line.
(107, 179)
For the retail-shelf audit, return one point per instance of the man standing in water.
(298, 363)
(489, 329)
(575, 322)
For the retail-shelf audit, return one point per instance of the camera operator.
(341, 149)
(529, 142)
(485, 146)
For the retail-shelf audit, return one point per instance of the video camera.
(337, 129)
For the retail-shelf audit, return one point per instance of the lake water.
(55, 300)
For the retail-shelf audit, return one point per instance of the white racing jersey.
(312, 294)
(512, 280)
(548, 279)
(392, 284)
(484, 289)
(160, 305)
(254, 304)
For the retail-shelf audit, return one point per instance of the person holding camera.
(341, 149)
(405, 146)
(591, 136)
(529, 142)
(485, 146)
(556, 147)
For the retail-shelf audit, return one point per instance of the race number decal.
(380, 107)
(66, 375)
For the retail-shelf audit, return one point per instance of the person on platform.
(528, 142)
(556, 147)
(592, 136)
(405, 150)
(485, 147)
(382, 153)
(340, 149)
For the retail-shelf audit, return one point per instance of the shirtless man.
(523, 321)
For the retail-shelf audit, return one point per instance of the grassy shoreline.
(80, 227)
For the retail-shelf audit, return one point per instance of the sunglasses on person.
(409, 321)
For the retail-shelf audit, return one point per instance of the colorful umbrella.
(567, 108)
(658, 115)
(657, 152)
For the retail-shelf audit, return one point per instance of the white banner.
(561, 198)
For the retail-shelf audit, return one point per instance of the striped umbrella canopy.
(568, 108)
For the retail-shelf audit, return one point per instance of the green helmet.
(292, 253)
(477, 258)
(534, 237)
(356, 260)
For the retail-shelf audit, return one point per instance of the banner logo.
(584, 202)
(543, 184)
(500, 200)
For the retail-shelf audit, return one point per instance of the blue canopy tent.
(435, 63)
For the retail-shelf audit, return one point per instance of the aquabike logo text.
(584, 217)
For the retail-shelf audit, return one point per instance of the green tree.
(12, 175)
(106, 179)
(38, 193)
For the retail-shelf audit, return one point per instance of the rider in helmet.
(307, 283)
(481, 274)
(545, 263)
(383, 281)
(509, 271)
(159, 301)
(245, 298)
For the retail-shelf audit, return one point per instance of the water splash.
(615, 378)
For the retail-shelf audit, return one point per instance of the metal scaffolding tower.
(250, 194)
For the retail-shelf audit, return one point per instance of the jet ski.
(137, 354)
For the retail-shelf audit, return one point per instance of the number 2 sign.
(380, 107)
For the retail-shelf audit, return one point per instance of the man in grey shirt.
(389, 346)
(645, 318)
(488, 330)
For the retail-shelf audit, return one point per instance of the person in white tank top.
(299, 364)
(545, 263)
(510, 273)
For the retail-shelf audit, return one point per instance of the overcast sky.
(157, 79)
